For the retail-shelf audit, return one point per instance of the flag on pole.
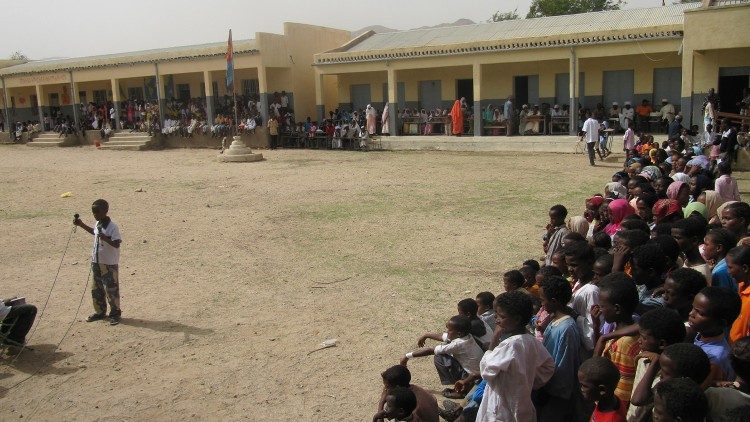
(230, 64)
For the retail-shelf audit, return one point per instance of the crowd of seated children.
(641, 311)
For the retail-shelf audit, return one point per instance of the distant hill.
(379, 29)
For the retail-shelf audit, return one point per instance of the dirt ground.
(231, 273)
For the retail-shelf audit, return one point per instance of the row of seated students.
(640, 311)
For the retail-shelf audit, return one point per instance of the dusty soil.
(231, 273)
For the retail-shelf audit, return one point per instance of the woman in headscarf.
(487, 116)
(680, 192)
(579, 225)
(681, 177)
(386, 126)
(618, 209)
(615, 190)
(696, 208)
(457, 119)
(667, 211)
(371, 115)
(698, 184)
(651, 173)
(592, 213)
(712, 200)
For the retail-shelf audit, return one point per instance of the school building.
(676, 52)
(263, 65)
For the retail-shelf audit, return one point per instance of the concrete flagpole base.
(238, 152)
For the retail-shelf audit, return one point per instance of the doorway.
(465, 89)
(526, 90)
(730, 91)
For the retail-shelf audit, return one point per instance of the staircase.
(130, 141)
(52, 139)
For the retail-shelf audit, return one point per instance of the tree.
(540, 8)
(19, 56)
(504, 16)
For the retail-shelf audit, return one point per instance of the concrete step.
(45, 143)
(132, 147)
(48, 135)
(127, 141)
(129, 134)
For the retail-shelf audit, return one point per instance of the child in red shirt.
(598, 378)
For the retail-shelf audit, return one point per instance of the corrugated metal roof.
(583, 23)
(146, 56)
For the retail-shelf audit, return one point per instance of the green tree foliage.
(540, 8)
(504, 16)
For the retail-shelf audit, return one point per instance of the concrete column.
(159, 94)
(115, 103)
(263, 88)
(6, 113)
(686, 91)
(477, 77)
(573, 82)
(40, 101)
(209, 83)
(74, 100)
(319, 105)
(392, 102)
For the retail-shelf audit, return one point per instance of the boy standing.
(105, 259)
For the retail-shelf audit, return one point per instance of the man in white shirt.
(627, 115)
(591, 135)
(667, 113)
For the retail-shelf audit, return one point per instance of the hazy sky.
(53, 28)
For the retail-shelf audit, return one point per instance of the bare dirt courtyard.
(231, 273)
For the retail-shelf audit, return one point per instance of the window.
(34, 105)
(54, 100)
(100, 96)
(82, 97)
(250, 87)
(135, 93)
(183, 91)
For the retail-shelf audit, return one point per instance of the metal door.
(360, 96)
(667, 84)
(533, 89)
(618, 86)
(562, 88)
(430, 94)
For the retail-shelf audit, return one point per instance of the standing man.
(667, 113)
(591, 135)
(508, 114)
(105, 259)
(643, 113)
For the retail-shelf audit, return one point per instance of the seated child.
(618, 298)
(513, 280)
(728, 397)
(716, 244)
(399, 405)
(399, 376)
(738, 264)
(457, 357)
(516, 366)
(469, 309)
(648, 264)
(542, 317)
(714, 310)
(598, 378)
(680, 289)
(580, 259)
(485, 301)
(562, 339)
(658, 328)
(679, 399)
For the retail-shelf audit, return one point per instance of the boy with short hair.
(556, 230)
(513, 280)
(679, 399)
(483, 334)
(458, 356)
(486, 313)
(714, 310)
(658, 329)
(648, 264)
(105, 260)
(598, 378)
(400, 376)
(399, 405)
(618, 298)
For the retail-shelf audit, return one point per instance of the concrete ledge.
(564, 144)
(260, 139)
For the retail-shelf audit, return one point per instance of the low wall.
(260, 139)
